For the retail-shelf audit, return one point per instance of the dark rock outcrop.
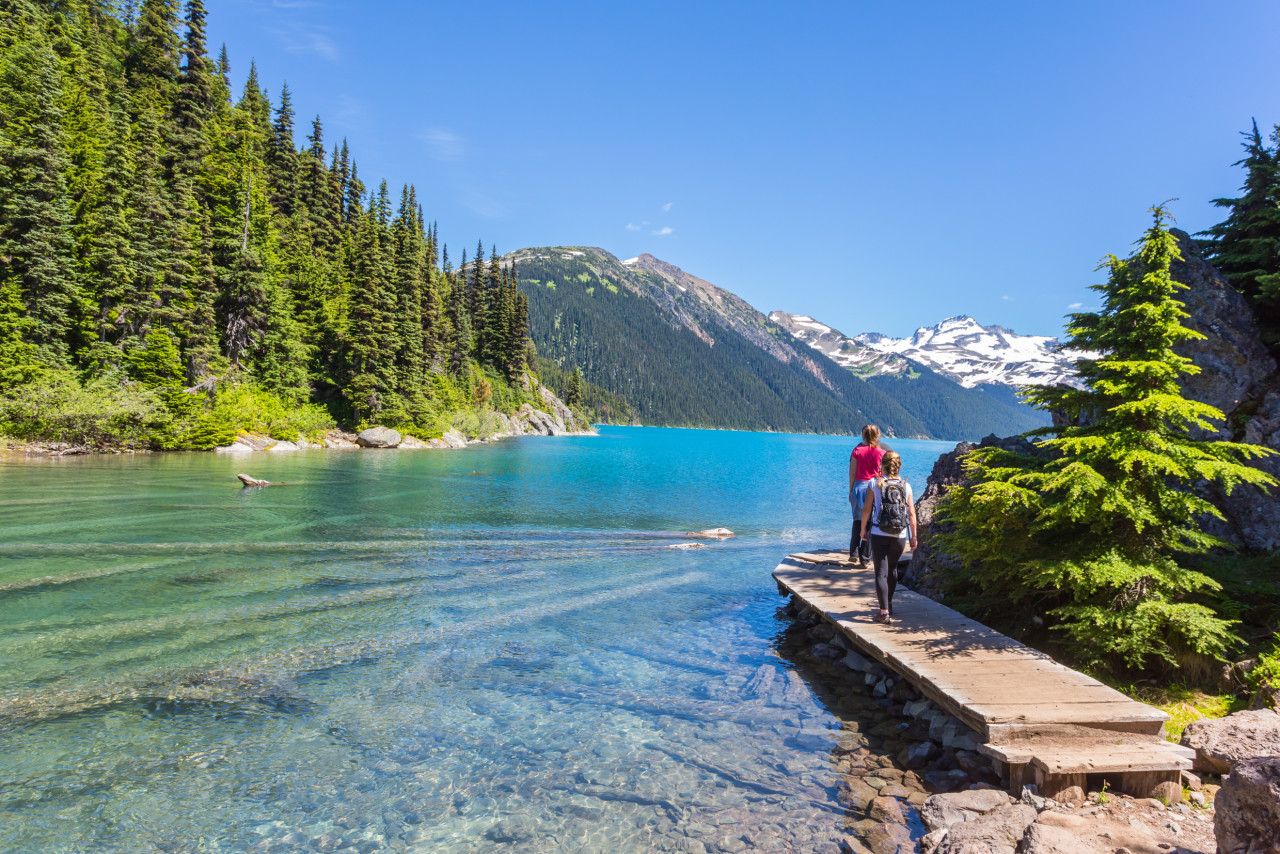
(1240, 377)
(926, 561)
(1248, 808)
(928, 564)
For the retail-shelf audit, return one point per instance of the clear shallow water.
(418, 650)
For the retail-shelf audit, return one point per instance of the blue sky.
(879, 166)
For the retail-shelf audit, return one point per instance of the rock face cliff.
(1237, 375)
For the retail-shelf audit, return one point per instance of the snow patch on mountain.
(959, 348)
(838, 347)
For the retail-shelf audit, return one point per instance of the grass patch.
(1183, 705)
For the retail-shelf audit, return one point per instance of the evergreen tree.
(245, 300)
(194, 101)
(280, 359)
(406, 235)
(19, 359)
(1245, 246)
(1094, 526)
(109, 251)
(224, 67)
(573, 396)
(282, 157)
(36, 246)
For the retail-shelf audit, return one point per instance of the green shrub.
(111, 410)
(1265, 678)
(244, 406)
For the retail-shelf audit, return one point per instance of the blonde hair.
(891, 463)
(871, 435)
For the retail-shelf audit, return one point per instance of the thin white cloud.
(1076, 305)
(481, 203)
(666, 208)
(349, 112)
(662, 232)
(445, 145)
(631, 226)
(294, 4)
(1006, 297)
(296, 40)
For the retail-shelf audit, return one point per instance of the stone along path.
(1042, 722)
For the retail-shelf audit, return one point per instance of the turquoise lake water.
(488, 649)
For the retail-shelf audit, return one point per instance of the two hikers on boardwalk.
(884, 514)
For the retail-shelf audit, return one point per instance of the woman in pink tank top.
(864, 467)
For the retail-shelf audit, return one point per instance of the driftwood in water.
(252, 481)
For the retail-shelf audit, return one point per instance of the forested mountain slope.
(659, 344)
(684, 352)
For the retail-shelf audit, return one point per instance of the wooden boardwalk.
(1048, 724)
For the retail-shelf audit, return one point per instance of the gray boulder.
(378, 437)
(1222, 742)
(1247, 817)
(454, 439)
(997, 832)
(944, 810)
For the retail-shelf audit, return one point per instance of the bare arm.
(866, 512)
(853, 470)
(912, 505)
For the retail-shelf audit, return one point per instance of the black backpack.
(895, 509)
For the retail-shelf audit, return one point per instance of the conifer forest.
(174, 266)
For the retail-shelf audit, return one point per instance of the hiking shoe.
(883, 617)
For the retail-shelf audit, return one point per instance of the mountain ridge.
(958, 347)
(685, 352)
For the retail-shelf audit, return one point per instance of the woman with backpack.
(864, 467)
(890, 512)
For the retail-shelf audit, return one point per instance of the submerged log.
(252, 481)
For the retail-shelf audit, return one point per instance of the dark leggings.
(885, 553)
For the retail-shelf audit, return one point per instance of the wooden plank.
(1111, 763)
(1009, 693)
(987, 680)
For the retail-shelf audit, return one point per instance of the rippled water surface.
(489, 649)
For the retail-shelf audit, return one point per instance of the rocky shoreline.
(556, 420)
(912, 778)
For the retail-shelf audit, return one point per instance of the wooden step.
(1095, 757)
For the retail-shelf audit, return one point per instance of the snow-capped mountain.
(958, 347)
(841, 349)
